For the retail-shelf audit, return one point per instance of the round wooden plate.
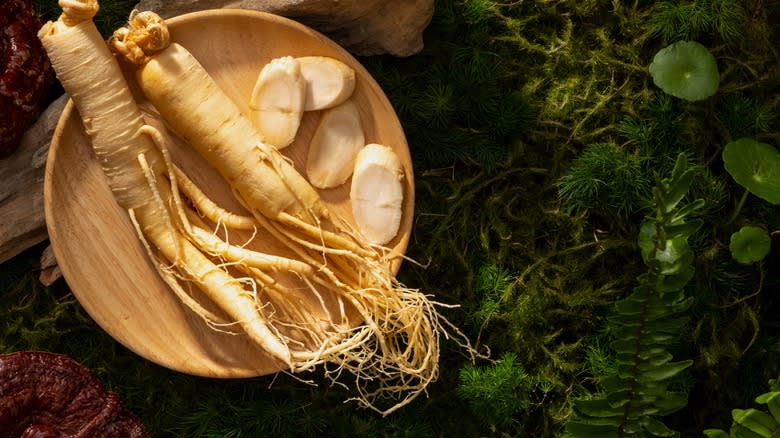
(103, 261)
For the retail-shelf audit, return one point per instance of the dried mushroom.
(25, 72)
(51, 395)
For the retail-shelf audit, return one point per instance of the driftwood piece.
(364, 27)
(50, 270)
(22, 223)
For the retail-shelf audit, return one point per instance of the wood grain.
(22, 222)
(101, 258)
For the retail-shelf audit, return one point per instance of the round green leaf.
(750, 244)
(755, 166)
(686, 69)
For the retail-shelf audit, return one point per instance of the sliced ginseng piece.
(334, 146)
(377, 193)
(276, 104)
(329, 82)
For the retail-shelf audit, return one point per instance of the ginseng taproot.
(392, 350)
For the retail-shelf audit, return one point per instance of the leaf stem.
(738, 208)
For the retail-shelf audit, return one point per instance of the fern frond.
(645, 323)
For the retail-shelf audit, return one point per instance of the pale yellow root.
(336, 142)
(329, 82)
(395, 350)
(251, 262)
(168, 276)
(208, 208)
(290, 318)
(376, 193)
(276, 103)
(135, 170)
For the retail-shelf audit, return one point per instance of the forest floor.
(538, 136)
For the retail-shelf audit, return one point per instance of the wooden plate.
(104, 262)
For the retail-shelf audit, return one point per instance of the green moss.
(743, 117)
(112, 15)
(606, 180)
(504, 101)
(690, 20)
(496, 393)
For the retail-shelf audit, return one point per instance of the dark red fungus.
(46, 395)
(25, 72)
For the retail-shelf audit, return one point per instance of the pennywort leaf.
(686, 69)
(755, 166)
(750, 244)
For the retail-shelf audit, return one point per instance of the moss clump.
(606, 180)
(496, 393)
(690, 20)
(507, 99)
(113, 13)
(742, 117)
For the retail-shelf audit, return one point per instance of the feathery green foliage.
(607, 180)
(743, 117)
(614, 181)
(643, 325)
(494, 284)
(677, 20)
(656, 128)
(498, 392)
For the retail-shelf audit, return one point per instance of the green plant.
(656, 127)
(494, 284)
(750, 423)
(688, 20)
(644, 323)
(750, 244)
(686, 69)
(497, 392)
(606, 179)
(744, 117)
(755, 166)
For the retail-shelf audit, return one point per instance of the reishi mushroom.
(46, 395)
(25, 72)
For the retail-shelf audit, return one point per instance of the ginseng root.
(143, 182)
(394, 349)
